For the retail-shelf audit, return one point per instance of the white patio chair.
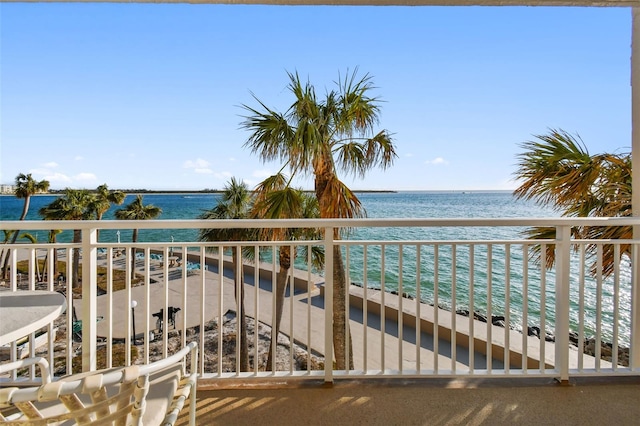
(151, 394)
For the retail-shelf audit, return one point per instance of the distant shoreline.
(219, 191)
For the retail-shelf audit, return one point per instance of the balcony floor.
(420, 402)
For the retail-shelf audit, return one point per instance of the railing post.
(634, 356)
(89, 297)
(634, 352)
(563, 256)
(328, 305)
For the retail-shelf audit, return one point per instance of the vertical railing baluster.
(309, 289)
(365, 305)
(543, 308)
(203, 314)
(383, 317)
(292, 291)
(507, 308)
(70, 305)
(50, 328)
(274, 335)
(634, 347)
(525, 308)
(400, 308)
(347, 285)
(109, 325)
(33, 278)
(165, 307)
(454, 262)
(472, 308)
(147, 304)
(256, 307)
(202, 261)
(616, 305)
(418, 305)
(563, 256)
(489, 308)
(598, 305)
(436, 307)
(328, 305)
(89, 298)
(581, 300)
(220, 312)
(239, 285)
(128, 342)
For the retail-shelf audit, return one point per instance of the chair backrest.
(121, 396)
(84, 400)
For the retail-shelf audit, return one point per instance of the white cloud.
(51, 165)
(437, 161)
(85, 177)
(408, 155)
(56, 178)
(223, 175)
(79, 158)
(197, 164)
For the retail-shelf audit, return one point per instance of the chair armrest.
(172, 360)
(28, 362)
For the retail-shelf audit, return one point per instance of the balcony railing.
(417, 308)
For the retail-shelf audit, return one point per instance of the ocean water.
(444, 277)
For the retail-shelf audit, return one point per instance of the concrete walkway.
(307, 323)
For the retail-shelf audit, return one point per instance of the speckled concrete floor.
(424, 402)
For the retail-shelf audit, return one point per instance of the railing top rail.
(318, 223)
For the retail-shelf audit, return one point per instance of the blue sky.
(148, 96)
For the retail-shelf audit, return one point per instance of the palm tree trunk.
(25, 210)
(134, 238)
(281, 286)
(244, 346)
(340, 318)
(76, 260)
(340, 322)
(5, 265)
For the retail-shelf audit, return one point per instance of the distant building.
(7, 189)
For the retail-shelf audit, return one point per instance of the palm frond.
(340, 201)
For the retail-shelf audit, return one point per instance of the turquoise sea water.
(453, 287)
(378, 205)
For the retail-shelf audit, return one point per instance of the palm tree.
(276, 200)
(8, 235)
(557, 170)
(235, 203)
(104, 199)
(320, 137)
(26, 186)
(137, 210)
(53, 237)
(75, 204)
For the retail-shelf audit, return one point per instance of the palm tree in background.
(235, 203)
(8, 236)
(104, 199)
(557, 170)
(275, 199)
(26, 186)
(137, 210)
(75, 204)
(52, 238)
(319, 137)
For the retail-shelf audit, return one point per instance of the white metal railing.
(417, 308)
